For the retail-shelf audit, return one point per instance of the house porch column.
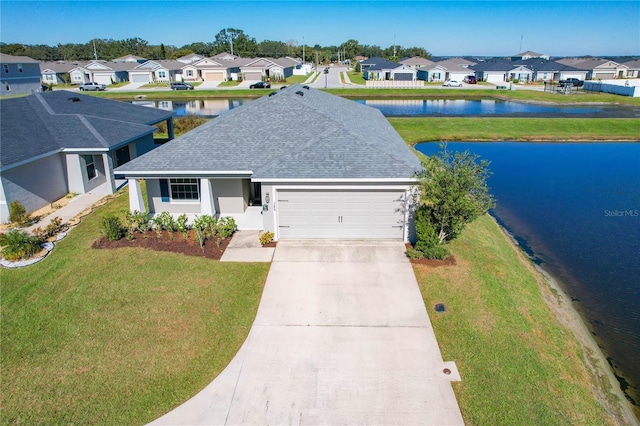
(135, 196)
(170, 128)
(206, 198)
(108, 172)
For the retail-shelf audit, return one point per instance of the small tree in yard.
(453, 193)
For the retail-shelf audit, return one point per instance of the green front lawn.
(519, 365)
(293, 79)
(118, 336)
(356, 77)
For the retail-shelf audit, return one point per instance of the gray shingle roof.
(43, 123)
(288, 136)
(9, 59)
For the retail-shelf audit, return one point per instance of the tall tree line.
(231, 40)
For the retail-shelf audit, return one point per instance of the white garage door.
(102, 79)
(213, 76)
(252, 76)
(604, 76)
(343, 214)
(140, 78)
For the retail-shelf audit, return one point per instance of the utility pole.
(521, 37)
(95, 51)
(231, 43)
(303, 57)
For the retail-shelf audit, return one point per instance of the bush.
(182, 225)
(18, 213)
(112, 228)
(427, 241)
(164, 222)
(226, 227)
(266, 237)
(54, 226)
(135, 221)
(414, 254)
(18, 245)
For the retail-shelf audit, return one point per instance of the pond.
(419, 108)
(575, 209)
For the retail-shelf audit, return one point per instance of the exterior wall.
(230, 196)
(78, 77)
(79, 181)
(19, 78)
(35, 184)
(156, 205)
(141, 146)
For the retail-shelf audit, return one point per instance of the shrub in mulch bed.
(164, 241)
(449, 261)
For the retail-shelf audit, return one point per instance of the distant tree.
(291, 45)
(371, 51)
(181, 52)
(275, 49)
(235, 41)
(414, 51)
(350, 48)
(163, 51)
(204, 49)
(453, 193)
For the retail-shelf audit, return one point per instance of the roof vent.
(305, 87)
(74, 99)
(299, 92)
(272, 93)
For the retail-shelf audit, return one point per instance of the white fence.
(632, 90)
(394, 84)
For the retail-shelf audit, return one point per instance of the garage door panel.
(354, 214)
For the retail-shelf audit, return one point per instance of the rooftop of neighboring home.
(130, 58)
(461, 62)
(10, 59)
(377, 63)
(294, 133)
(43, 123)
(494, 64)
(415, 61)
(584, 63)
(540, 64)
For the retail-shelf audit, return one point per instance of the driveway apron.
(341, 337)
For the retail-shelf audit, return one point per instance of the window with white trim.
(162, 74)
(6, 68)
(184, 189)
(19, 67)
(90, 165)
(189, 73)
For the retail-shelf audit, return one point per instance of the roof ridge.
(92, 129)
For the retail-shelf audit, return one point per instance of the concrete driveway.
(341, 337)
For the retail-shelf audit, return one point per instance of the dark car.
(181, 85)
(260, 85)
(470, 79)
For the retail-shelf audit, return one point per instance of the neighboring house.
(529, 55)
(455, 68)
(190, 58)
(224, 56)
(415, 62)
(54, 143)
(19, 75)
(597, 69)
(433, 73)
(382, 69)
(545, 70)
(109, 72)
(57, 72)
(633, 68)
(266, 68)
(157, 71)
(131, 59)
(274, 165)
(499, 70)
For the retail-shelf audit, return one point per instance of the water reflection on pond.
(419, 107)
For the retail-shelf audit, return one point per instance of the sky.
(443, 28)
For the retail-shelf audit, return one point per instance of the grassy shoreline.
(523, 352)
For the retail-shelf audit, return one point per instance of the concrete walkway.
(245, 247)
(76, 206)
(341, 337)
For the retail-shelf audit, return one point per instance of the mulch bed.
(177, 244)
(434, 263)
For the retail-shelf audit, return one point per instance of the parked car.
(470, 79)
(576, 82)
(92, 85)
(260, 85)
(452, 83)
(181, 85)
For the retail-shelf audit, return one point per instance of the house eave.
(334, 180)
(163, 174)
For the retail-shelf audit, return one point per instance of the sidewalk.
(76, 206)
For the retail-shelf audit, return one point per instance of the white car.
(92, 85)
(452, 83)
